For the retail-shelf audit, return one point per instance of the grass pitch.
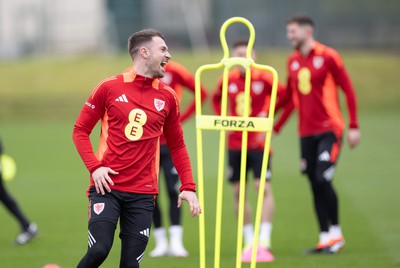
(38, 113)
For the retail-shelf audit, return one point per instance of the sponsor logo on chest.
(318, 61)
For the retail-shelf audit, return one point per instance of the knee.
(98, 252)
(323, 178)
(319, 186)
(132, 252)
(267, 187)
(101, 250)
(236, 193)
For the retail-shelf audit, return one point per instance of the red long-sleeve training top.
(134, 111)
(313, 82)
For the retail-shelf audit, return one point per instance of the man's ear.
(310, 30)
(144, 51)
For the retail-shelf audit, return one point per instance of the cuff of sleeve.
(188, 187)
(276, 129)
(353, 125)
(93, 169)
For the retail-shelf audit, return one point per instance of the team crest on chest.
(232, 88)
(98, 208)
(257, 87)
(159, 104)
(318, 61)
(294, 66)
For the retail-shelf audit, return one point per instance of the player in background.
(135, 109)
(178, 78)
(261, 86)
(29, 230)
(315, 71)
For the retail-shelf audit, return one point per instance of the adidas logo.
(91, 240)
(122, 98)
(328, 174)
(145, 232)
(140, 258)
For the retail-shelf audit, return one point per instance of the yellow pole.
(214, 123)
(200, 168)
(264, 165)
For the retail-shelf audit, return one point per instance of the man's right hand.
(353, 137)
(102, 180)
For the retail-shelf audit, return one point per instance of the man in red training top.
(314, 73)
(178, 78)
(135, 109)
(261, 86)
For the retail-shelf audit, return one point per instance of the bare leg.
(267, 214)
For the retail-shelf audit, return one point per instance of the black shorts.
(135, 211)
(254, 162)
(319, 154)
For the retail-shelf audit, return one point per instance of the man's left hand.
(191, 198)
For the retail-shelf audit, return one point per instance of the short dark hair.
(139, 38)
(241, 42)
(301, 20)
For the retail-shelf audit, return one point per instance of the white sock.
(248, 234)
(175, 234)
(335, 231)
(160, 236)
(265, 234)
(324, 238)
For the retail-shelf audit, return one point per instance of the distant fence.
(59, 27)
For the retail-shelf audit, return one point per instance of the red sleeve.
(285, 101)
(91, 113)
(174, 136)
(285, 96)
(281, 91)
(342, 79)
(285, 115)
(216, 98)
(187, 81)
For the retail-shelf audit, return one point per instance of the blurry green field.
(40, 98)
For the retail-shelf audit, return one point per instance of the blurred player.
(261, 86)
(178, 78)
(314, 73)
(135, 109)
(28, 230)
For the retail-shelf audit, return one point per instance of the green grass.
(51, 181)
(55, 88)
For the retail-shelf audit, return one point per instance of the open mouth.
(163, 63)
